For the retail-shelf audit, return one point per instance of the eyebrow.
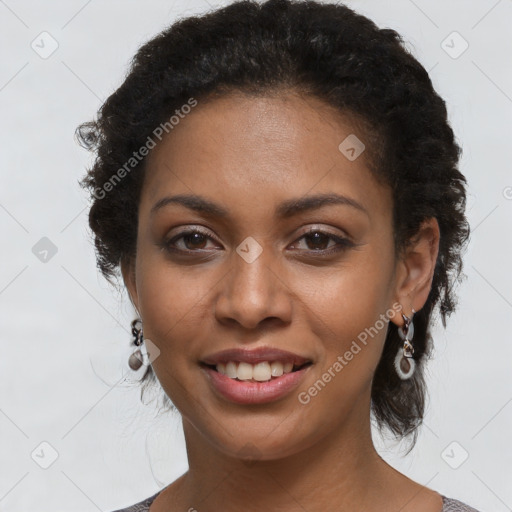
(284, 210)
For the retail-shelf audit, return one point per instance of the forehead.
(241, 149)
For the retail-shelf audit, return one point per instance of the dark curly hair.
(327, 51)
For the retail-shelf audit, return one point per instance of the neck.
(341, 471)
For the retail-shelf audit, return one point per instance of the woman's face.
(253, 277)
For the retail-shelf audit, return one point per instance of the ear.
(128, 272)
(416, 270)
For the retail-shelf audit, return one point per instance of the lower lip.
(244, 392)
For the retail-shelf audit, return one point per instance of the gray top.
(449, 505)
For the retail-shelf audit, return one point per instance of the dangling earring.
(404, 362)
(135, 361)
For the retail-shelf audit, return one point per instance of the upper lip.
(254, 356)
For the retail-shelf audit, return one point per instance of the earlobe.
(417, 268)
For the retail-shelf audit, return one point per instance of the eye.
(194, 240)
(318, 241)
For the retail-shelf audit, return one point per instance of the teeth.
(260, 372)
(276, 369)
(231, 370)
(244, 371)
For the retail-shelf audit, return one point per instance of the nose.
(254, 293)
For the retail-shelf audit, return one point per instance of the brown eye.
(317, 241)
(193, 240)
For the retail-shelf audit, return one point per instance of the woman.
(277, 184)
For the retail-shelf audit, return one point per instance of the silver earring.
(404, 362)
(135, 360)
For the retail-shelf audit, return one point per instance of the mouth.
(263, 371)
(257, 383)
(254, 376)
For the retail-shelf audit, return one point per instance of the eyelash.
(342, 243)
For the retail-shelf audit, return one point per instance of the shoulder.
(453, 505)
(141, 506)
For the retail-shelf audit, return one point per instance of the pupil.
(317, 238)
(195, 237)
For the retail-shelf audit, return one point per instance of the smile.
(254, 384)
(259, 372)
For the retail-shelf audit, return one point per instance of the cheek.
(346, 319)
(173, 312)
(173, 304)
(345, 311)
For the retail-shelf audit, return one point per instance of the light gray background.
(65, 332)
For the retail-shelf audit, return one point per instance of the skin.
(248, 154)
